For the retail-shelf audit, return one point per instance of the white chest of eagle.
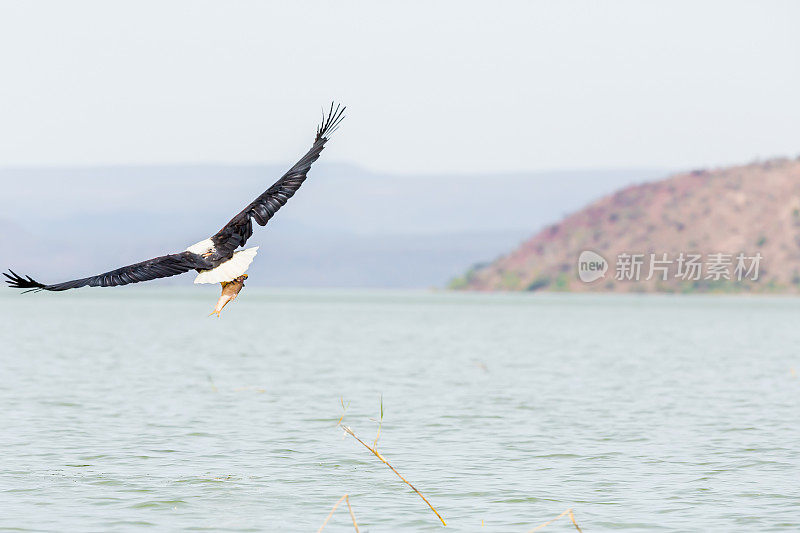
(230, 269)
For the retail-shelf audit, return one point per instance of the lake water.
(130, 409)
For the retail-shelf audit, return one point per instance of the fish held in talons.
(230, 289)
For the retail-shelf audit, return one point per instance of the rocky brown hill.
(721, 218)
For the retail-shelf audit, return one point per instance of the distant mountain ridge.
(750, 209)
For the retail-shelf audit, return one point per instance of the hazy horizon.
(346, 227)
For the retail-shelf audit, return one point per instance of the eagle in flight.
(216, 259)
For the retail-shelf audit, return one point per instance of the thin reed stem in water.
(567, 512)
(353, 516)
(344, 410)
(384, 461)
(346, 498)
(380, 425)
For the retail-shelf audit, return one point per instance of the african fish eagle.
(216, 259)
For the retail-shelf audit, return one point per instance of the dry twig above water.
(567, 512)
(346, 498)
(377, 454)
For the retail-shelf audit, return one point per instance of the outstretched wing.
(159, 267)
(236, 232)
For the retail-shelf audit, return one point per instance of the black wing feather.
(159, 267)
(236, 232)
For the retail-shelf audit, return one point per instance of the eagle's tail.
(15, 281)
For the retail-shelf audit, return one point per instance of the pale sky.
(432, 87)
